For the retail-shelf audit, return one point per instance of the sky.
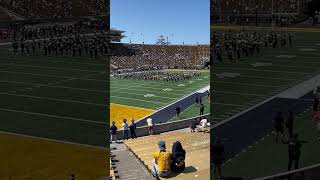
(182, 21)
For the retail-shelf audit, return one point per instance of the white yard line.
(67, 69)
(120, 97)
(226, 104)
(186, 90)
(287, 60)
(63, 87)
(160, 92)
(247, 84)
(65, 77)
(53, 116)
(53, 99)
(263, 77)
(250, 69)
(276, 65)
(142, 95)
(158, 83)
(12, 63)
(53, 140)
(236, 93)
(66, 61)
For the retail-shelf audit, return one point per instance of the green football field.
(154, 94)
(62, 98)
(267, 158)
(238, 86)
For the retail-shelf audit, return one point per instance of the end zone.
(118, 112)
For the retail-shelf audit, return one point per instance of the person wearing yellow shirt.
(162, 161)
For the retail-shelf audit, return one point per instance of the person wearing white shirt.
(125, 127)
(150, 125)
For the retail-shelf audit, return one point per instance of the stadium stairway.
(125, 165)
(197, 146)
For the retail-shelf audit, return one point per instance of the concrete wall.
(167, 113)
(161, 128)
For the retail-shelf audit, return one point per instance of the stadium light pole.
(131, 37)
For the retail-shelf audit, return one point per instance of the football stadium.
(53, 59)
(266, 74)
(158, 91)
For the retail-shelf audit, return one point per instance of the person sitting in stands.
(193, 125)
(203, 124)
(178, 157)
(162, 161)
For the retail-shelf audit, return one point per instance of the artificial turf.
(55, 97)
(267, 157)
(161, 93)
(289, 66)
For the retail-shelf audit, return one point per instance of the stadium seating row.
(197, 146)
(54, 8)
(133, 55)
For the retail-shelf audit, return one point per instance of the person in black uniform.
(201, 109)
(178, 111)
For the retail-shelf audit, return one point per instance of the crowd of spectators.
(41, 31)
(34, 9)
(125, 56)
(277, 12)
(262, 6)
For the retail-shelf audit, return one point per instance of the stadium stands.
(54, 9)
(133, 55)
(113, 171)
(197, 146)
(279, 12)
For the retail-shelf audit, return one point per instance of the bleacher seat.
(197, 146)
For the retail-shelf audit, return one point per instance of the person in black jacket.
(133, 128)
(178, 157)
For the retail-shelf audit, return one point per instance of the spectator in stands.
(178, 111)
(162, 161)
(289, 125)
(150, 125)
(72, 177)
(113, 130)
(316, 93)
(125, 127)
(218, 157)
(178, 157)
(194, 124)
(133, 128)
(203, 124)
(278, 123)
